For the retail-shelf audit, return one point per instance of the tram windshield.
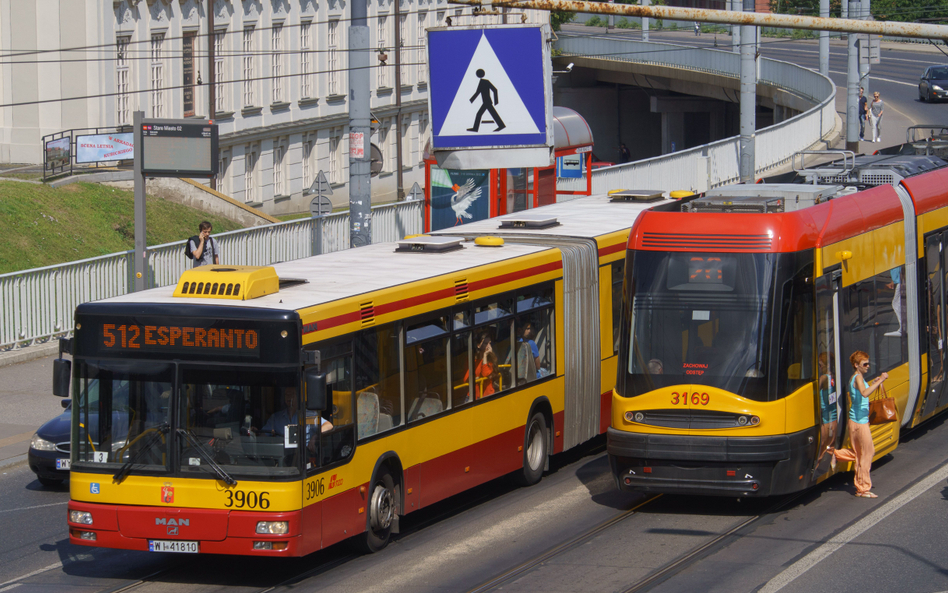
(223, 422)
(711, 319)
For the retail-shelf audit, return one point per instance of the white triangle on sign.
(509, 106)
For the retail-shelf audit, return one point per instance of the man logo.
(172, 521)
(172, 531)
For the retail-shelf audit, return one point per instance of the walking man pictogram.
(484, 89)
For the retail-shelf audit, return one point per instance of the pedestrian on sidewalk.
(203, 247)
(875, 116)
(863, 111)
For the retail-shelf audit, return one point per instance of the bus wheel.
(382, 509)
(535, 443)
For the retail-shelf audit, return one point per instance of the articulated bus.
(278, 410)
(742, 307)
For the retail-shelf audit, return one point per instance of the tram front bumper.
(714, 466)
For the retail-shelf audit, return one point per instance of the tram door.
(935, 283)
(830, 393)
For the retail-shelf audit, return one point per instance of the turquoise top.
(828, 401)
(859, 407)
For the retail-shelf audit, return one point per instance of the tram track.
(654, 578)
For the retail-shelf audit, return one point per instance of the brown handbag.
(882, 410)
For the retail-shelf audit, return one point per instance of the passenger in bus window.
(485, 367)
(528, 354)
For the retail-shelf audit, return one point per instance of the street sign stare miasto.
(490, 96)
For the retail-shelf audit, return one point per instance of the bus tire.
(536, 440)
(382, 510)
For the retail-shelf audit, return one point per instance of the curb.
(13, 461)
(29, 353)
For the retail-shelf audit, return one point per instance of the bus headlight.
(41, 444)
(273, 527)
(81, 517)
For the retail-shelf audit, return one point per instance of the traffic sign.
(320, 186)
(870, 48)
(320, 206)
(416, 193)
(490, 87)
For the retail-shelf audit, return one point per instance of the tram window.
(460, 369)
(377, 381)
(796, 332)
(426, 371)
(337, 436)
(618, 274)
(872, 313)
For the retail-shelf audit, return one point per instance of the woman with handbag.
(859, 433)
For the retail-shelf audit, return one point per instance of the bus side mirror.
(317, 392)
(62, 368)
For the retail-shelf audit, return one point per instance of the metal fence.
(38, 304)
(711, 165)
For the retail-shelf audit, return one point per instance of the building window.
(122, 114)
(383, 42)
(440, 18)
(422, 136)
(422, 59)
(157, 76)
(306, 62)
(333, 58)
(279, 178)
(276, 62)
(248, 67)
(220, 181)
(221, 104)
(250, 182)
(404, 71)
(383, 146)
(406, 145)
(307, 163)
(335, 158)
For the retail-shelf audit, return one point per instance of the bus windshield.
(703, 319)
(189, 420)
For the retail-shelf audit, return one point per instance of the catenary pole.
(360, 190)
(748, 125)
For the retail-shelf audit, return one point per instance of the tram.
(741, 308)
(278, 410)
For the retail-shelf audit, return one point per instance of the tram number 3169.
(697, 399)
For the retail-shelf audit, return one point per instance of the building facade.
(281, 83)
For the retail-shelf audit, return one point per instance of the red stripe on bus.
(345, 318)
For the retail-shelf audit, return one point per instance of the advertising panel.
(57, 153)
(99, 148)
(179, 148)
(458, 197)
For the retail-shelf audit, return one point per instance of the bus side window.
(426, 369)
(336, 425)
(533, 330)
(377, 381)
(460, 369)
(618, 274)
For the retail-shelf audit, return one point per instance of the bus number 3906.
(315, 488)
(697, 399)
(239, 499)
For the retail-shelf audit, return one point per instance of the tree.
(558, 17)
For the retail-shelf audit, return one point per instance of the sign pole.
(319, 207)
(140, 244)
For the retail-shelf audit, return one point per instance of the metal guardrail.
(37, 305)
(718, 163)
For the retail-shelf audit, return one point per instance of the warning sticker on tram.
(164, 545)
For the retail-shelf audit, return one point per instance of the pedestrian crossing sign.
(490, 88)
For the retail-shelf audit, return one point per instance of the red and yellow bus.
(278, 410)
(743, 306)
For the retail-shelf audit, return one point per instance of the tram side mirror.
(317, 392)
(62, 368)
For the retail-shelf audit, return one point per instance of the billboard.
(100, 148)
(57, 153)
(458, 197)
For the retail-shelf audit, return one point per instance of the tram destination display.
(179, 148)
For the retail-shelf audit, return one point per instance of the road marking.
(30, 574)
(801, 566)
(17, 438)
(871, 78)
(39, 506)
(14, 586)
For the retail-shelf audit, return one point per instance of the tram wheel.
(382, 510)
(535, 443)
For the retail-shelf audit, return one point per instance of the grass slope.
(42, 226)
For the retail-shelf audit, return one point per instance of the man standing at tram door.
(898, 299)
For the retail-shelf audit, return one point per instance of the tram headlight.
(755, 420)
(41, 444)
(273, 527)
(634, 417)
(742, 420)
(81, 517)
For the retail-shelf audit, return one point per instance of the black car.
(49, 449)
(934, 84)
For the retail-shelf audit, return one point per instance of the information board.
(179, 148)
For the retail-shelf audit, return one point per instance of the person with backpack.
(202, 248)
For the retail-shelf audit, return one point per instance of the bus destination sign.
(169, 339)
